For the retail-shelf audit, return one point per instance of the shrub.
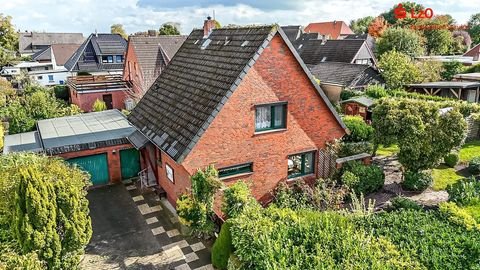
(451, 159)
(427, 237)
(416, 181)
(349, 179)
(465, 192)
(359, 130)
(346, 149)
(370, 177)
(222, 248)
(404, 203)
(376, 91)
(348, 94)
(458, 215)
(236, 198)
(99, 106)
(61, 92)
(474, 166)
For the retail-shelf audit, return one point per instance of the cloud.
(139, 15)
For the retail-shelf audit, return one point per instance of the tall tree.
(438, 39)
(461, 42)
(118, 29)
(408, 6)
(474, 28)
(402, 40)
(168, 30)
(377, 27)
(8, 36)
(398, 69)
(360, 26)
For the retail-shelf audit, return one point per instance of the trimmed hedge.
(369, 178)
(222, 248)
(416, 181)
(359, 130)
(352, 148)
(451, 159)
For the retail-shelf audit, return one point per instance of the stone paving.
(168, 248)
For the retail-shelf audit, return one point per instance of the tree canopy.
(168, 30)
(8, 40)
(398, 69)
(474, 28)
(360, 26)
(408, 6)
(118, 29)
(402, 40)
(377, 27)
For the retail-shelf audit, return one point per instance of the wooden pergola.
(457, 89)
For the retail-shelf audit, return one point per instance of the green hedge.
(474, 166)
(465, 192)
(222, 248)
(346, 149)
(404, 203)
(369, 178)
(416, 181)
(359, 130)
(451, 159)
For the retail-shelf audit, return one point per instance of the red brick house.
(332, 30)
(146, 57)
(241, 99)
(474, 52)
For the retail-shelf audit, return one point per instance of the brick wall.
(131, 70)
(85, 100)
(230, 139)
(113, 159)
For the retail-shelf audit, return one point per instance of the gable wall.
(131, 69)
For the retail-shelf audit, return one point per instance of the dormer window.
(119, 59)
(107, 58)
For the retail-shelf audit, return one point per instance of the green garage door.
(130, 162)
(95, 165)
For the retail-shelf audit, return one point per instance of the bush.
(451, 159)
(222, 248)
(370, 177)
(474, 166)
(404, 203)
(99, 106)
(416, 181)
(458, 216)
(428, 237)
(359, 130)
(61, 92)
(465, 192)
(346, 149)
(376, 91)
(236, 198)
(348, 94)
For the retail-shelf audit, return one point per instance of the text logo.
(401, 13)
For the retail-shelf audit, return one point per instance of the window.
(169, 172)
(272, 116)
(46, 68)
(39, 77)
(300, 164)
(50, 78)
(234, 170)
(119, 58)
(107, 59)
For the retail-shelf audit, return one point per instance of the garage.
(96, 166)
(130, 163)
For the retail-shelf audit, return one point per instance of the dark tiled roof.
(87, 56)
(293, 32)
(349, 75)
(26, 40)
(341, 50)
(154, 53)
(188, 94)
(45, 54)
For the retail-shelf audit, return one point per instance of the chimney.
(324, 39)
(208, 26)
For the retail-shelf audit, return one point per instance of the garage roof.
(22, 142)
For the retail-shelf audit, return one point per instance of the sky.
(86, 16)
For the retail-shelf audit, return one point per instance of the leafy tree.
(7, 93)
(2, 132)
(450, 69)
(99, 106)
(402, 40)
(44, 200)
(359, 130)
(461, 42)
(429, 70)
(398, 69)
(408, 6)
(438, 40)
(236, 198)
(118, 29)
(474, 28)
(377, 27)
(8, 35)
(168, 30)
(360, 26)
(423, 135)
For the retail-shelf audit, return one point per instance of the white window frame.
(170, 173)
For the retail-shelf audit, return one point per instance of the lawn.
(469, 151)
(388, 151)
(444, 176)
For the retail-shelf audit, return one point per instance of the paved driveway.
(131, 230)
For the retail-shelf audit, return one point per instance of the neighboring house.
(465, 60)
(240, 99)
(32, 42)
(332, 30)
(474, 52)
(99, 54)
(467, 77)
(369, 39)
(335, 77)
(464, 90)
(293, 32)
(355, 51)
(146, 58)
(111, 89)
(361, 106)
(95, 141)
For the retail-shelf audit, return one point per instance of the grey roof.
(84, 131)
(137, 139)
(22, 142)
(365, 101)
(314, 51)
(188, 94)
(346, 74)
(293, 32)
(88, 56)
(44, 54)
(27, 40)
(446, 84)
(154, 53)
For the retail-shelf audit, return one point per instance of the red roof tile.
(334, 29)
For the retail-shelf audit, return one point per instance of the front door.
(130, 163)
(108, 101)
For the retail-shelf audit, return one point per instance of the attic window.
(324, 59)
(245, 43)
(206, 43)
